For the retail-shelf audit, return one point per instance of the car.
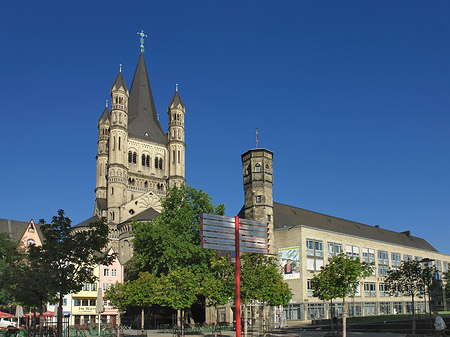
(8, 323)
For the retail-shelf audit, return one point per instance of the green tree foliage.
(408, 280)
(340, 278)
(261, 280)
(66, 258)
(8, 255)
(178, 290)
(172, 240)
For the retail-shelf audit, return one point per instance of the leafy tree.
(261, 280)
(69, 256)
(173, 239)
(407, 280)
(8, 254)
(178, 290)
(340, 278)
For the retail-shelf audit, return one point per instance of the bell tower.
(257, 165)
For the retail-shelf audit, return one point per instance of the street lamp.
(427, 283)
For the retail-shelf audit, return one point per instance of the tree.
(69, 256)
(340, 278)
(261, 280)
(8, 255)
(178, 290)
(407, 280)
(173, 239)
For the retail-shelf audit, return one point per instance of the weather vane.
(142, 35)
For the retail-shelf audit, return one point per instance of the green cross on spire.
(142, 35)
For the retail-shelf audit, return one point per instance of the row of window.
(370, 289)
(314, 252)
(318, 310)
(106, 272)
(145, 160)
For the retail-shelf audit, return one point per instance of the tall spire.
(142, 117)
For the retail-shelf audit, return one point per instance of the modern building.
(304, 240)
(136, 160)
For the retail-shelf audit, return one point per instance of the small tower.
(118, 140)
(102, 155)
(176, 144)
(257, 167)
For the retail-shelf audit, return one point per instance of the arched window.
(247, 170)
(31, 229)
(156, 162)
(112, 190)
(173, 157)
(119, 143)
(130, 156)
(134, 157)
(30, 242)
(146, 183)
(257, 167)
(147, 161)
(179, 157)
(160, 163)
(143, 159)
(267, 168)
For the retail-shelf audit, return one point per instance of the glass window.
(395, 258)
(94, 286)
(86, 287)
(407, 257)
(309, 247)
(370, 289)
(76, 302)
(113, 272)
(315, 311)
(258, 167)
(385, 308)
(105, 272)
(370, 309)
(308, 286)
(92, 302)
(85, 302)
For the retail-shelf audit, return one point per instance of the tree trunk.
(178, 321)
(264, 319)
(182, 322)
(59, 324)
(344, 318)
(41, 320)
(413, 317)
(245, 319)
(118, 323)
(142, 320)
(332, 316)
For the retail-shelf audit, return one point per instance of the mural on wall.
(289, 261)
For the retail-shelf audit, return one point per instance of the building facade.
(304, 241)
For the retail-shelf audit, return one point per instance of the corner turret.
(176, 144)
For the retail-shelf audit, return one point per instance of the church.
(136, 160)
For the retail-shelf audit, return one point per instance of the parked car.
(8, 323)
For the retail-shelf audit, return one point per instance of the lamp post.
(427, 284)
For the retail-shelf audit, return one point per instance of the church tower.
(176, 144)
(257, 167)
(102, 156)
(118, 139)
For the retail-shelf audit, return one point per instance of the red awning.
(46, 314)
(6, 315)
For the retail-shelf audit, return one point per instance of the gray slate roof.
(86, 222)
(176, 99)
(105, 116)
(142, 118)
(287, 216)
(15, 229)
(147, 215)
(119, 82)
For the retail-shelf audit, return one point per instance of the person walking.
(439, 324)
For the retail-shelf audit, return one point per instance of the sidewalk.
(299, 333)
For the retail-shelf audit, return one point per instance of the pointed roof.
(119, 82)
(105, 116)
(142, 118)
(176, 100)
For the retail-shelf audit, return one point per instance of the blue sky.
(351, 96)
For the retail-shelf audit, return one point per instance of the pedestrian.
(439, 324)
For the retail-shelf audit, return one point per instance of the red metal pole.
(237, 278)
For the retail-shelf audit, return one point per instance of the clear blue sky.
(352, 97)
